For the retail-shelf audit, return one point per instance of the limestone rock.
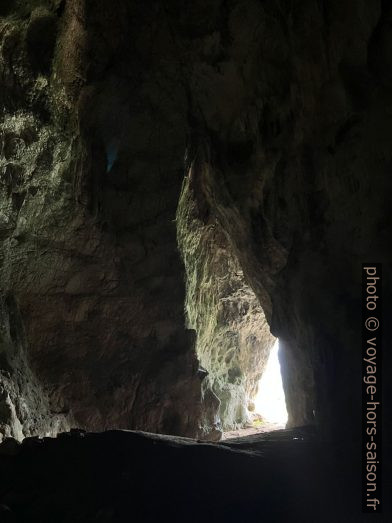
(233, 337)
(281, 111)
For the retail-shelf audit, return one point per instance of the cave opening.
(241, 391)
(270, 401)
(267, 409)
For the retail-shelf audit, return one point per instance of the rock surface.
(25, 408)
(87, 218)
(282, 112)
(122, 476)
(296, 170)
(233, 336)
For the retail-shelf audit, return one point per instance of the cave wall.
(89, 190)
(25, 408)
(233, 336)
(283, 110)
(297, 170)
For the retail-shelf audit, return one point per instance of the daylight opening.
(270, 400)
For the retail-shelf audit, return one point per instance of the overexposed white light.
(270, 401)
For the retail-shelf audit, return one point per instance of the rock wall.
(25, 408)
(233, 337)
(293, 156)
(283, 110)
(89, 189)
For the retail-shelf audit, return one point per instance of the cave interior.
(182, 184)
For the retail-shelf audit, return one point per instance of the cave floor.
(251, 431)
(126, 476)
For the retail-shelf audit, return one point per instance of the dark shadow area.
(120, 476)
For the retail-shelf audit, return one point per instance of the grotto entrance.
(270, 400)
(234, 344)
(268, 409)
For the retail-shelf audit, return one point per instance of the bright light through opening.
(270, 401)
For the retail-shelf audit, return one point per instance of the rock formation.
(180, 183)
(277, 115)
(233, 336)
(119, 476)
(90, 186)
